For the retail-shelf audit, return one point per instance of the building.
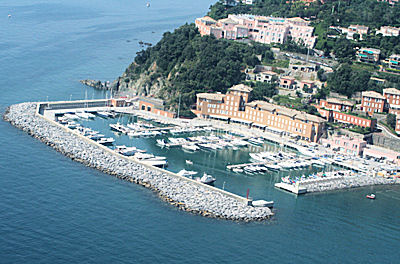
(303, 67)
(373, 102)
(387, 31)
(287, 82)
(380, 153)
(356, 29)
(260, 75)
(391, 2)
(368, 55)
(392, 96)
(336, 104)
(394, 62)
(336, 110)
(347, 145)
(397, 128)
(155, 106)
(261, 29)
(234, 107)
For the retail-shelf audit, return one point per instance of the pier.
(185, 193)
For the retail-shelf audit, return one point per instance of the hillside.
(184, 63)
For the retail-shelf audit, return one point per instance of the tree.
(391, 120)
(262, 90)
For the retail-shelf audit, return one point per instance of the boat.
(191, 147)
(189, 162)
(126, 151)
(272, 166)
(156, 163)
(71, 116)
(206, 179)
(161, 142)
(186, 173)
(106, 141)
(237, 170)
(103, 114)
(371, 196)
(84, 115)
(256, 141)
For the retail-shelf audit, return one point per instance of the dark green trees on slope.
(194, 64)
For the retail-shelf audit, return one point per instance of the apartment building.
(388, 31)
(347, 145)
(356, 29)
(373, 102)
(393, 61)
(336, 110)
(234, 107)
(368, 55)
(287, 82)
(258, 28)
(392, 96)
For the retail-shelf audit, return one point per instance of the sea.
(54, 210)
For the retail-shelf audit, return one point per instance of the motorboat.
(119, 128)
(84, 115)
(71, 116)
(187, 173)
(189, 162)
(272, 166)
(237, 170)
(206, 179)
(156, 163)
(127, 151)
(256, 141)
(106, 141)
(371, 196)
(103, 114)
(191, 147)
(161, 142)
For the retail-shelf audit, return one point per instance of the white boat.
(119, 128)
(237, 170)
(83, 114)
(95, 136)
(103, 114)
(126, 151)
(273, 166)
(191, 147)
(189, 162)
(106, 141)
(161, 142)
(206, 179)
(148, 156)
(187, 173)
(256, 141)
(71, 116)
(156, 163)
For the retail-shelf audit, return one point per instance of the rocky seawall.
(349, 182)
(183, 194)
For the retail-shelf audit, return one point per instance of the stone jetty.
(185, 195)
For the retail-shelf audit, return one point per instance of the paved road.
(387, 132)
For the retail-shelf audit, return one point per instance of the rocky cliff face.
(148, 83)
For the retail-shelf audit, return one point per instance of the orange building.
(336, 104)
(373, 102)
(234, 107)
(155, 106)
(392, 96)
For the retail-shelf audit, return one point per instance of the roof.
(228, 20)
(338, 101)
(286, 111)
(372, 94)
(297, 19)
(268, 72)
(211, 96)
(209, 19)
(287, 78)
(358, 27)
(377, 51)
(391, 91)
(241, 88)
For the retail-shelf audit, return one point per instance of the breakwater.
(184, 194)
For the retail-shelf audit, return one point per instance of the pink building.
(352, 146)
(287, 82)
(261, 29)
(381, 153)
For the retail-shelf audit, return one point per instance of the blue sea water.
(54, 210)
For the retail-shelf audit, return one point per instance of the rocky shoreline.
(185, 195)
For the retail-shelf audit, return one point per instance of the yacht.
(126, 151)
(191, 147)
(161, 142)
(103, 114)
(106, 141)
(206, 179)
(256, 141)
(186, 173)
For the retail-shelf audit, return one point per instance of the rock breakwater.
(183, 194)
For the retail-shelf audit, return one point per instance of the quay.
(185, 193)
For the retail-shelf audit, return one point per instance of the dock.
(293, 188)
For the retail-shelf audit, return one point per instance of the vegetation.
(262, 90)
(194, 64)
(295, 103)
(391, 120)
